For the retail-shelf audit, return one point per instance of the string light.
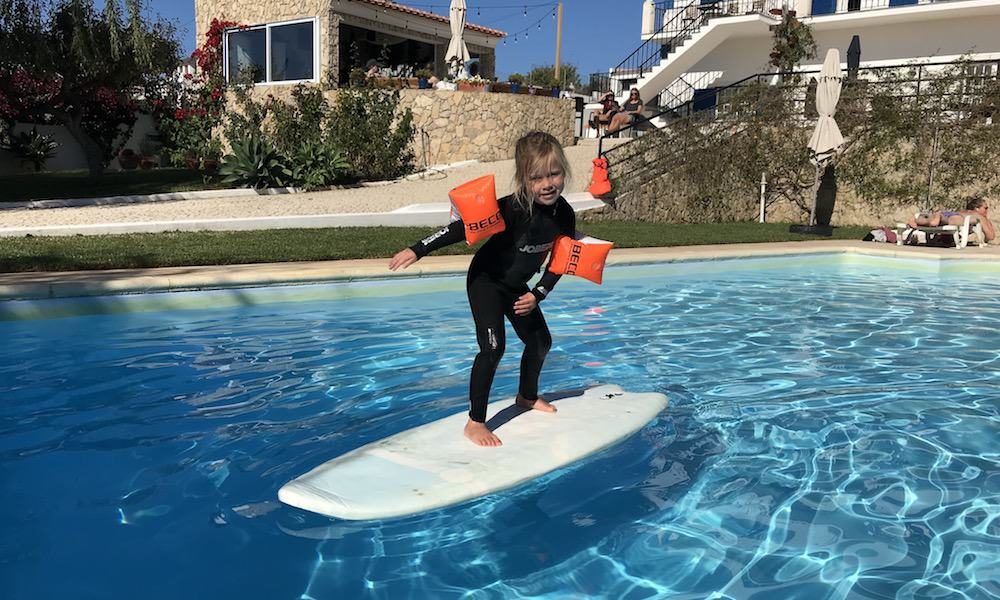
(526, 10)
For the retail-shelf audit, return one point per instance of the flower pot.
(147, 163)
(515, 88)
(210, 165)
(555, 92)
(422, 83)
(128, 159)
(191, 163)
(471, 87)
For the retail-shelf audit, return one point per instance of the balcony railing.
(665, 11)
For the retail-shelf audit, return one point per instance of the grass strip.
(149, 250)
(77, 184)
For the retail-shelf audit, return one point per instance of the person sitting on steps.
(630, 114)
(607, 113)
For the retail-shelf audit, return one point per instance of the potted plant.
(422, 76)
(516, 80)
(147, 162)
(793, 41)
(213, 152)
(471, 84)
(128, 159)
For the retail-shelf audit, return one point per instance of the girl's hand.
(525, 304)
(402, 259)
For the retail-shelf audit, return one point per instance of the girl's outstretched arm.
(402, 259)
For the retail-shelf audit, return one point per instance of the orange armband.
(476, 202)
(583, 257)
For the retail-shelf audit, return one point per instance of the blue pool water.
(832, 433)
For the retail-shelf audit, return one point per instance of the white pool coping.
(33, 286)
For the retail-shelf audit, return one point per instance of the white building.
(695, 47)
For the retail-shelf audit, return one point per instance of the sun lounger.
(925, 234)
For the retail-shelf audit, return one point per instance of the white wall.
(935, 40)
(68, 155)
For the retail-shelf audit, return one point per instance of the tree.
(68, 64)
(546, 77)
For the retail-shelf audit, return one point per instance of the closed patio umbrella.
(457, 54)
(826, 139)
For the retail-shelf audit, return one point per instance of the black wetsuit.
(498, 275)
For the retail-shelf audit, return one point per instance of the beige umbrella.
(457, 54)
(826, 139)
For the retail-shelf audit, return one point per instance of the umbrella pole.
(815, 191)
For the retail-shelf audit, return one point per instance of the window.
(274, 53)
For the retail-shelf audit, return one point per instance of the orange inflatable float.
(476, 203)
(583, 256)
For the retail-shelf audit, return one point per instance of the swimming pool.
(831, 434)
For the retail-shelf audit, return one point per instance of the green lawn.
(149, 250)
(76, 184)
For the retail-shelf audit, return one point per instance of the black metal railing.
(973, 90)
(670, 36)
(665, 11)
(678, 25)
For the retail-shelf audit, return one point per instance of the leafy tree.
(546, 76)
(67, 63)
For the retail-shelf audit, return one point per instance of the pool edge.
(36, 286)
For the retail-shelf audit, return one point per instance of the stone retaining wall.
(457, 126)
(673, 199)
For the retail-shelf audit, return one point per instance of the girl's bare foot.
(536, 404)
(480, 435)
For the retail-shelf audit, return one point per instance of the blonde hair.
(533, 149)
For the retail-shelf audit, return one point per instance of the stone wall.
(481, 126)
(672, 199)
(457, 126)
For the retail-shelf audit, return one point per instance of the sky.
(597, 34)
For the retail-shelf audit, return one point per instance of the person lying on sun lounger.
(977, 206)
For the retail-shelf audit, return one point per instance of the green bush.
(364, 127)
(300, 122)
(316, 164)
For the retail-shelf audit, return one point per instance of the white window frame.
(267, 50)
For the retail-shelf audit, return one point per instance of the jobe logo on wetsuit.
(536, 248)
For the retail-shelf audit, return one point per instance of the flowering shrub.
(474, 80)
(189, 111)
(108, 116)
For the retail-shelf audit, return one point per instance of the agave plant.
(254, 163)
(33, 147)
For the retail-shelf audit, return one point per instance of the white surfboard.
(434, 465)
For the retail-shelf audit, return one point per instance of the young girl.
(497, 282)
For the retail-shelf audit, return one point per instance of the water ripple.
(829, 436)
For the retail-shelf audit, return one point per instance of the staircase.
(688, 34)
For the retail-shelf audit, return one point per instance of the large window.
(274, 53)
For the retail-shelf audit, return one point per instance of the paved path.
(411, 201)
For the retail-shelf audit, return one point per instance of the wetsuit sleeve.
(454, 232)
(549, 279)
